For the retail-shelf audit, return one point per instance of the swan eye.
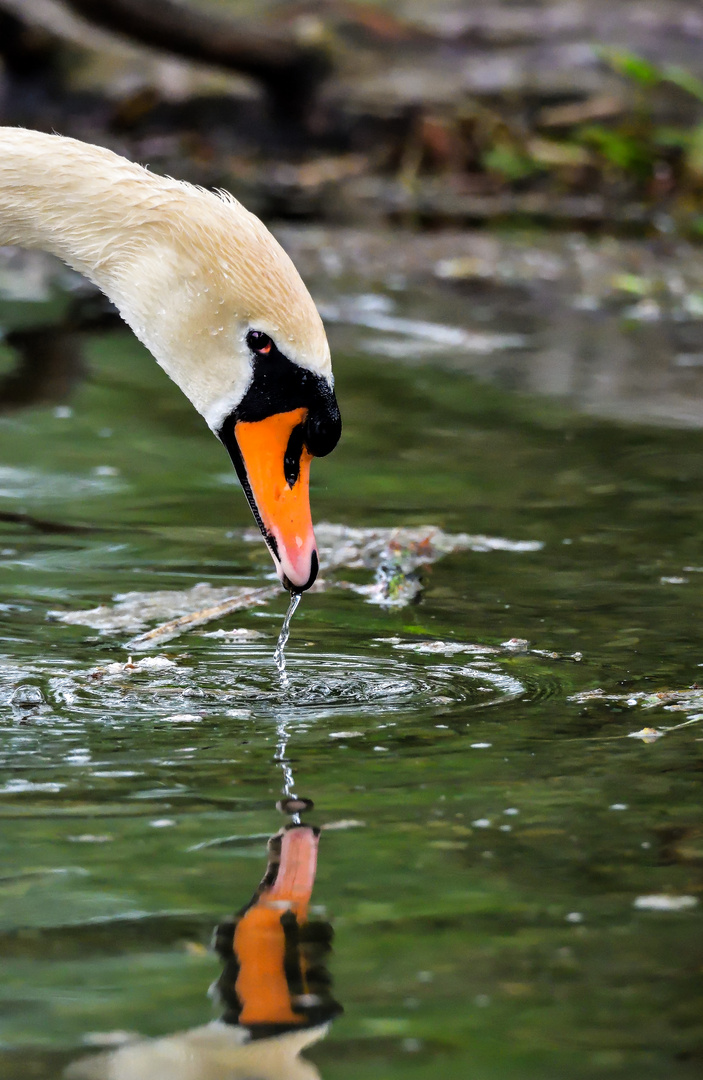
(259, 342)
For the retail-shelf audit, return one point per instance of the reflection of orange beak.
(277, 468)
(260, 939)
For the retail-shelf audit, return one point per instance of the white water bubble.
(27, 696)
(665, 902)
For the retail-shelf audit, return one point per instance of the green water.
(496, 833)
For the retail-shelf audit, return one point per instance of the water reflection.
(275, 987)
(49, 365)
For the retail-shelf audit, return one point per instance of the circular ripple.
(315, 685)
(330, 683)
(541, 687)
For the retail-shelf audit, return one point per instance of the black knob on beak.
(323, 427)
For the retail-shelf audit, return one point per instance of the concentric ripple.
(334, 682)
(243, 678)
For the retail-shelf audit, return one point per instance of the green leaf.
(632, 66)
(622, 150)
(685, 80)
(510, 163)
(633, 284)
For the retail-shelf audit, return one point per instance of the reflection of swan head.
(274, 987)
(213, 1052)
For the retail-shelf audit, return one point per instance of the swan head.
(287, 415)
(225, 312)
(212, 295)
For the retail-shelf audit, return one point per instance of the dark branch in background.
(289, 71)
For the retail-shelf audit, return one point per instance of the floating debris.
(357, 548)
(441, 648)
(646, 734)
(671, 700)
(516, 644)
(244, 598)
(182, 718)
(147, 663)
(665, 902)
(577, 657)
(396, 556)
(394, 585)
(452, 648)
(132, 611)
(688, 701)
(345, 823)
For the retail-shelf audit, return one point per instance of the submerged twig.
(197, 618)
(405, 550)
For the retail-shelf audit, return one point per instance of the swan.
(214, 1051)
(215, 299)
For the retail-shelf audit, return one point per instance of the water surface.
(493, 827)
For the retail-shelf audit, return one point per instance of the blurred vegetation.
(350, 112)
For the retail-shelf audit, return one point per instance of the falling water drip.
(279, 657)
(282, 732)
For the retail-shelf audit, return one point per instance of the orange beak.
(277, 466)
